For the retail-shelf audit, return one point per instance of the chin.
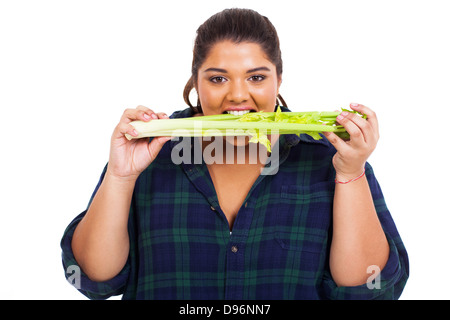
(238, 141)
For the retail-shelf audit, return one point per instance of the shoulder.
(185, 113)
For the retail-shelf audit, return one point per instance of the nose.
(238, 92)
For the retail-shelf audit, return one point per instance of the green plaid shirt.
(181, 246)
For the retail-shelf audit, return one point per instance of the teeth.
(238, 113)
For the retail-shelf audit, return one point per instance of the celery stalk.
(255, 124)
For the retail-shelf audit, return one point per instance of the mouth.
(239, 112)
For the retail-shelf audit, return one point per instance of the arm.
(358, 239)
(100, 243)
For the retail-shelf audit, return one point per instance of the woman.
(317, 229)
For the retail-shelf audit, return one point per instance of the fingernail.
(154, 116)
(146, 116)
(339, 117)
(344, 114)
(354, 104)
(135, 133)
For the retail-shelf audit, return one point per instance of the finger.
(371, 115)
(337, 142)
(155, 146)
(148, 112)
(137, 114)
(126, 128)
(152, 114)
(162, 115)
(353, 130)
(143, 108)
(368, 133)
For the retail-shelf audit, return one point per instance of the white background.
(68, 69)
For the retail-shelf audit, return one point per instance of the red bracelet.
(345, 182)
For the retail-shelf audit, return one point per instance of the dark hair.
(237, 25)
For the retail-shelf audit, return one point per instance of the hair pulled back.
(236, 25)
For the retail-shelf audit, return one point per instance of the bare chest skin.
(232, 183)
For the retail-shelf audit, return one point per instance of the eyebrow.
(248, 71)
(258, 69)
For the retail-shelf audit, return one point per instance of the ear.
(280, 80)
(194, 83)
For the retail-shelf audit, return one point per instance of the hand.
(128, 158)
(351, 155)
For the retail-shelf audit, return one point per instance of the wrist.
(123, 181)
(344, 178)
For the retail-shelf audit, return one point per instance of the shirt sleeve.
(392, 279)
(76, 276)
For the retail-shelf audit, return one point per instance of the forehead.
(230, 55)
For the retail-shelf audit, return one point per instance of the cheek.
(266, 97)
(207, 96)
(210, 100)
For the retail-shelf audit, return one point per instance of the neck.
(234, 150)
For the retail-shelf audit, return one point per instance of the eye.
(218, 79)
(257, 78)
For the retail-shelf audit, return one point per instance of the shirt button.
(213, 209)
(234, 249)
